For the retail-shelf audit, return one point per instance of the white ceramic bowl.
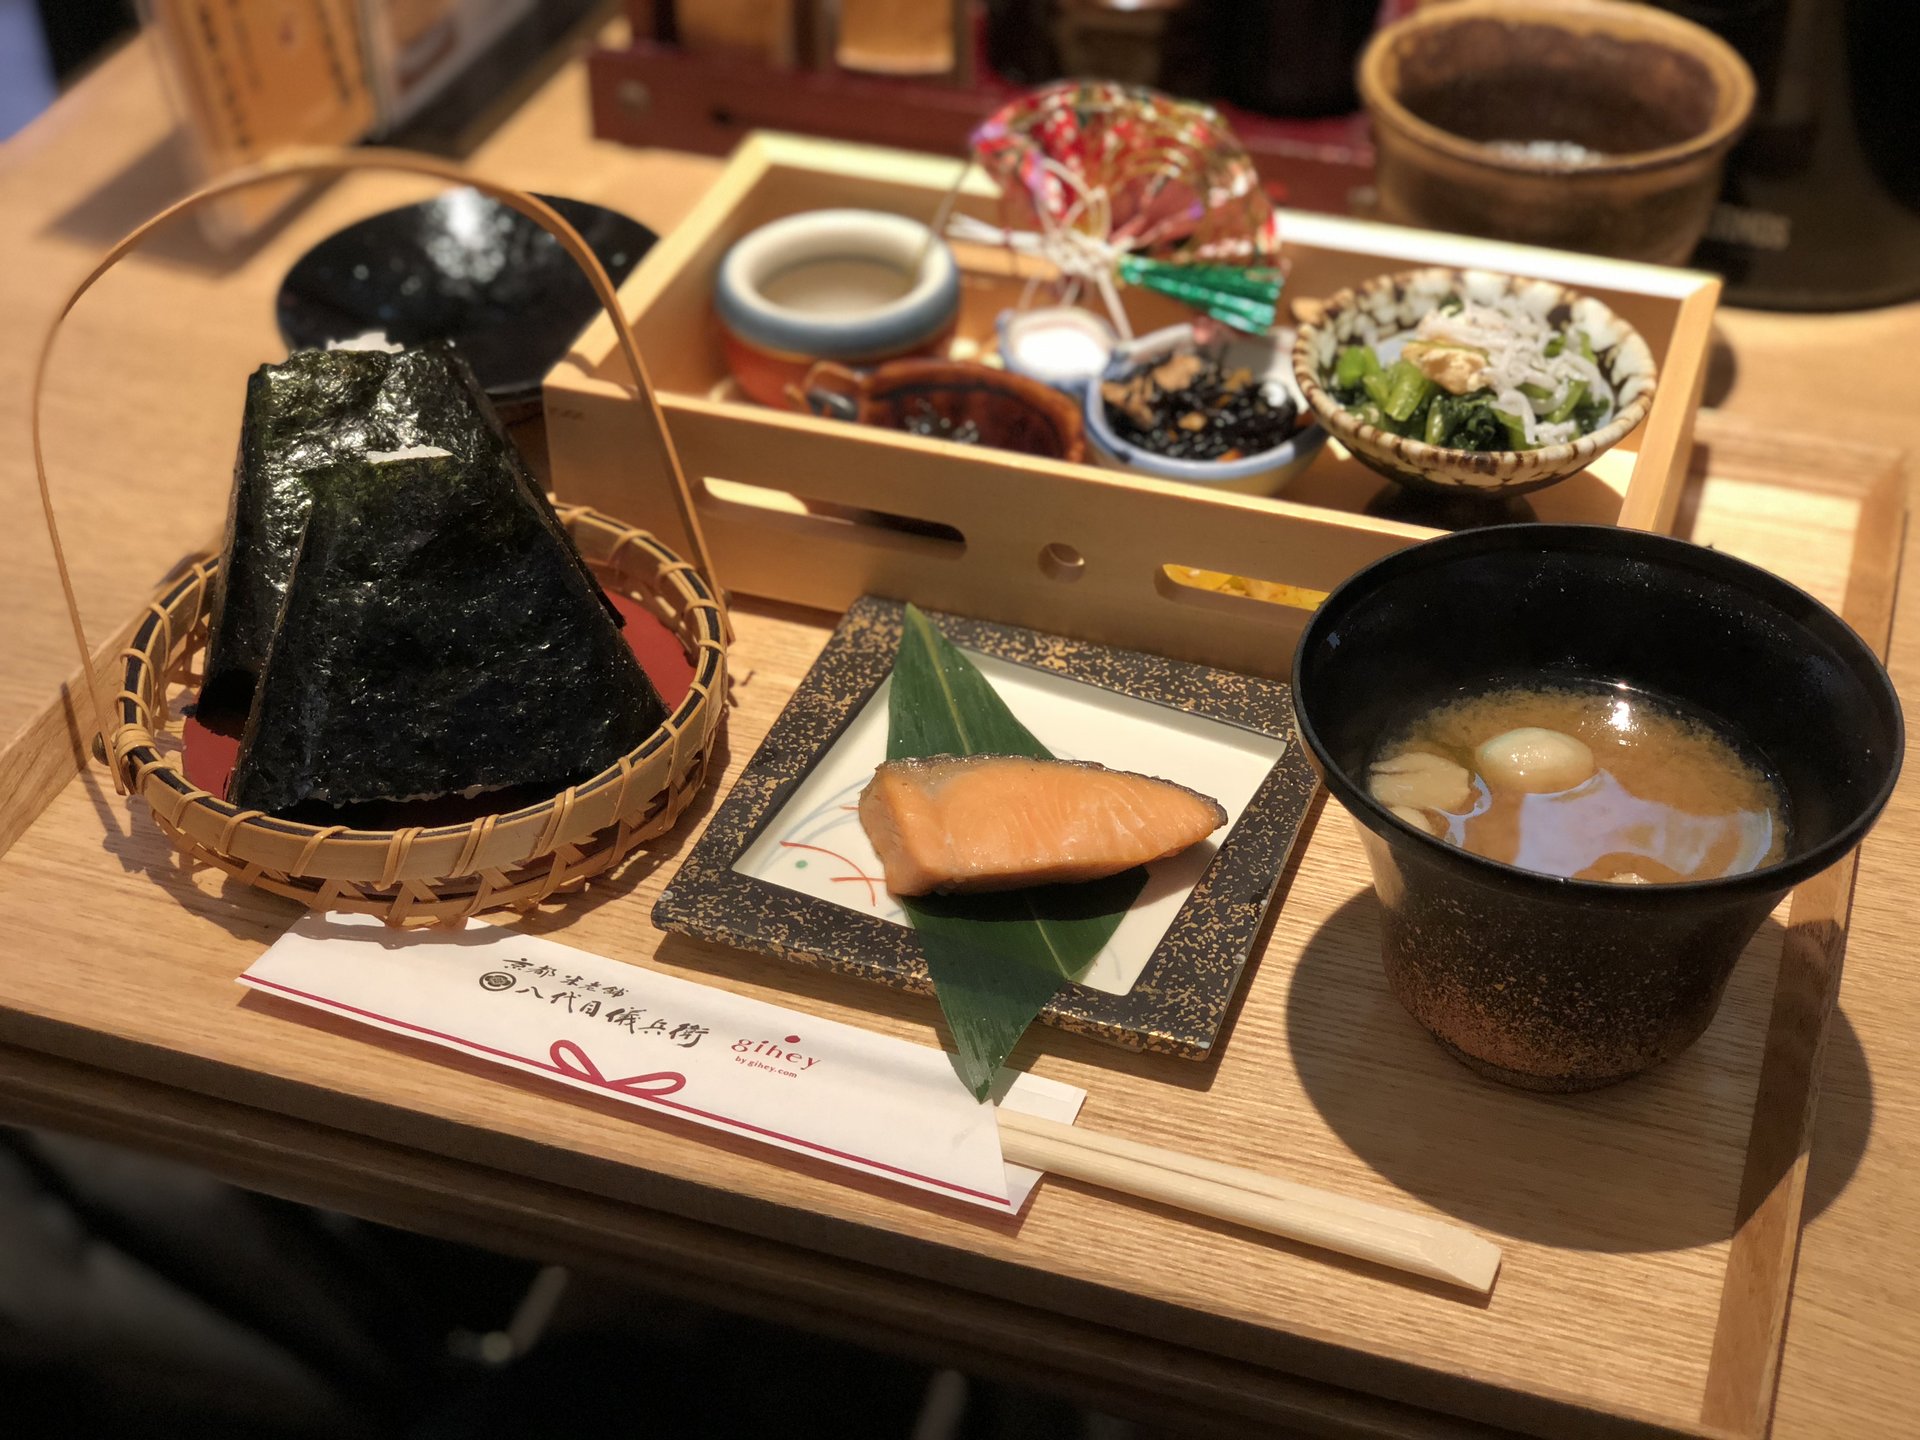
(1082, 345)
(868, 333)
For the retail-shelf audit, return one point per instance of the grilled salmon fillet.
(999, 822)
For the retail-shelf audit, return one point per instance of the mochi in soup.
(1593, 783)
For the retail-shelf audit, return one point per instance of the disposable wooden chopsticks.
(1414, 1243)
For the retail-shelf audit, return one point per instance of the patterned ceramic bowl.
(1387, 308)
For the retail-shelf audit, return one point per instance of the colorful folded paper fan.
(1121, 183)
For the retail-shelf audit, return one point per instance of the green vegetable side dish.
(1481, 378)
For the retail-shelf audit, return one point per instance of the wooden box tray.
(1016, 515)
(1650, 1230)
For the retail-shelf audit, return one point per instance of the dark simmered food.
(433, 630)
(1192, 406)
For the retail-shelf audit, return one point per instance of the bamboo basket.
(415, 875)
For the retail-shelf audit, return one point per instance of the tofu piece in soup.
(1535, 760)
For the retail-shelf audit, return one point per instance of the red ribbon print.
(573, 1062)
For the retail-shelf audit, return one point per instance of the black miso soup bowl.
(1556, 984)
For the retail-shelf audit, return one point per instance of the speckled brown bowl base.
(1561, 997)
(1520, 1079)
(1555, 1084)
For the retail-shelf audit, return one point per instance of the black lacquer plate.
(464, 268)
(1180, 1000)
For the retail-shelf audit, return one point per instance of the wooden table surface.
(140, 425)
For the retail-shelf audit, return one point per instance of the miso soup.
(1595, 783)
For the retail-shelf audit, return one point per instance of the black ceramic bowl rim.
(1770, 589)
(298, 330)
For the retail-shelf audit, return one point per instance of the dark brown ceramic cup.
(1556, 984)
(1475, 103)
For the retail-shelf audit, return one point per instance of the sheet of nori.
(438, 636)
(313, 411)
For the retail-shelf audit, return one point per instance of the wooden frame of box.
(1070, 548)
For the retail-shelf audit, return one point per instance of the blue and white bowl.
(770, 344)
(1265, 473)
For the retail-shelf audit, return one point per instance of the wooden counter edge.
(1154, 1379)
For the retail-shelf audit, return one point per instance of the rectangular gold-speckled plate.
(786, 870)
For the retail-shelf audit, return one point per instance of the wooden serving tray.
(758, 470)
(1650, 1229)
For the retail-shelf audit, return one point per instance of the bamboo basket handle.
(314, 163)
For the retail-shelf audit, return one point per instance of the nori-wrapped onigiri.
(314, 410)
(433, 631)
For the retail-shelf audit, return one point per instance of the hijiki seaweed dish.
(1484, 376)
(1192, 405)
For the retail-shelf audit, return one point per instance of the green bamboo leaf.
(995, 959)
(940, 703)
